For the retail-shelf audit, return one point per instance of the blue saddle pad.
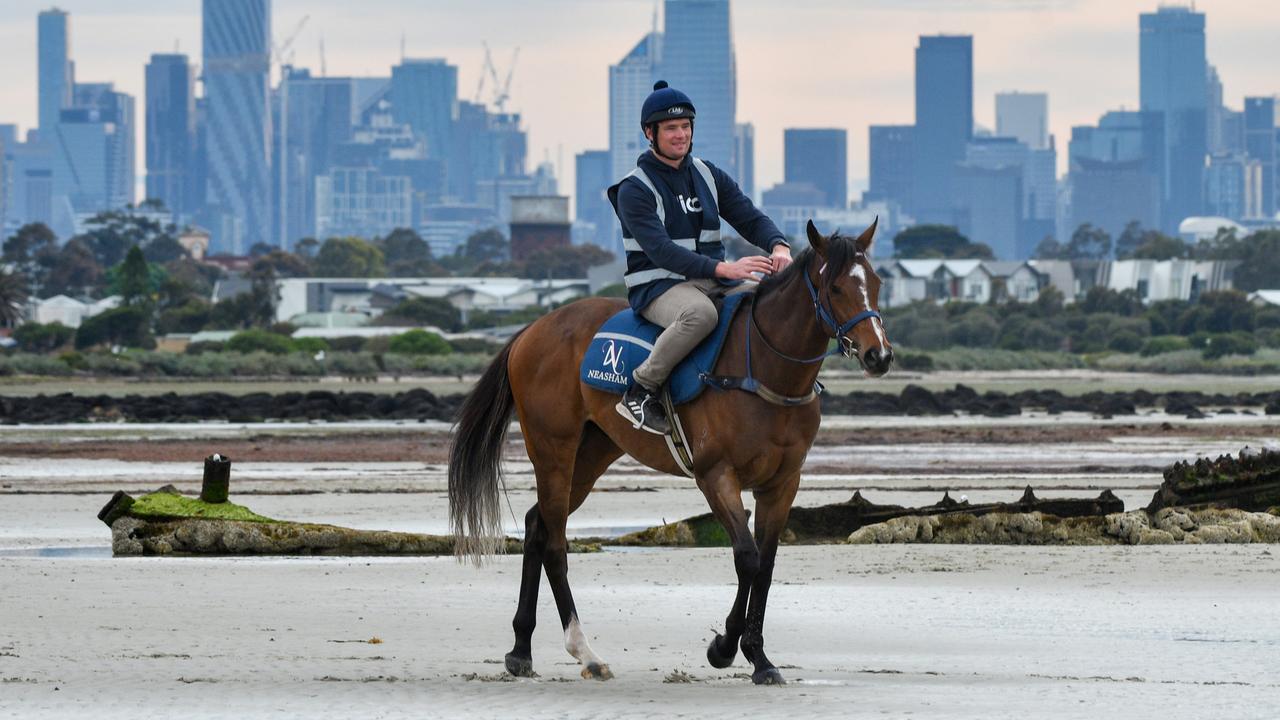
(625, 341)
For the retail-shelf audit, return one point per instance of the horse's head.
(848, 289)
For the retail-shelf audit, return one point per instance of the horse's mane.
(841, 249)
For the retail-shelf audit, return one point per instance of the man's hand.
(742, 268)
(781, 257)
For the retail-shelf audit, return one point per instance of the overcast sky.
(801, 63)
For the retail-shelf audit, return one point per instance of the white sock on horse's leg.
(575, 641)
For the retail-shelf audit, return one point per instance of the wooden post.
(115, 508)
(217, 479)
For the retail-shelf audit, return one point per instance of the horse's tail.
(475, 462)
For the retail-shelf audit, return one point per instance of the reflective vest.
(640, 269)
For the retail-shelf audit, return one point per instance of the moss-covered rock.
(1168, 526)
(171, 505)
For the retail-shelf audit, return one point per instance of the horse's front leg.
(772, 510)
(724, 495)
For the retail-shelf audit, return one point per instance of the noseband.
(839, 332)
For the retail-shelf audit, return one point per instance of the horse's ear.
(864, 240)
(816, 239)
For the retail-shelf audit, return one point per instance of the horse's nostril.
(888, 357)
(872, 357)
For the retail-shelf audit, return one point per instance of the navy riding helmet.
(664, 103)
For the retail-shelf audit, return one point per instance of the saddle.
(626, 340)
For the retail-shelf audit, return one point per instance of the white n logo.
(613, 358)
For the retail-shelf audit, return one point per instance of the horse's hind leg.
(520, 660)
(594, 455)
(546, 543)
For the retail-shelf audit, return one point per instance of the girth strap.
(751, 385)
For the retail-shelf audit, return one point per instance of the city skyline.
(1089, 50)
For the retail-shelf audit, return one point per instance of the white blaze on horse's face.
(860, 273)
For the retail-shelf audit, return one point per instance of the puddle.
(79, 551)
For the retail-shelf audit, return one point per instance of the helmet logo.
(675, 110)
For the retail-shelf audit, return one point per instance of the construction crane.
(501, 88)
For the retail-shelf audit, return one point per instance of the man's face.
(674, 137)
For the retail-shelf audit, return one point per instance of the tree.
(486, 245)
(163, 249)
(126, 326)
(72, 270)
(1049, 249)
(564, 262)
(1138, 244)
(937, 241)
(13, 296)
(1158, 246)
(284, 264)
(38, 338)
(349, 257)
(307, 247)
(1089, 243)
(24, 246)
(426, 311)
(1259, 256)
(133, 281)
(406, 253)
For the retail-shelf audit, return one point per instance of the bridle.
(839, 331)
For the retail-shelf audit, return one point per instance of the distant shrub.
(1224, 344)
(347, 344)
(1126, 341)
(247, 341)
(310, 345)
(40, 338)
(419, 342)
(1162, 344)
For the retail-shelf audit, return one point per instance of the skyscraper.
(1024, 116)
(1261, 144)
(892, 158)
(171, 132)
(698, 59)
(744, 158)
(56, 75)
(944, 121)
(424, 96)
(1116, 171)
(630, 82)
(237, 53)
(93, 155)
(592, 177)
(316, 115)
(819, 156)
(1173, 80)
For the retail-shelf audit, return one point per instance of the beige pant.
(689, 316)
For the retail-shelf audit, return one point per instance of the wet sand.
(860, 631)
(972, 632)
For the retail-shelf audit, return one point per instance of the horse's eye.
(835, 290)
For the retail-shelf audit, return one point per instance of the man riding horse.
(670, 208)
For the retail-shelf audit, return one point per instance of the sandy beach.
(859, 631)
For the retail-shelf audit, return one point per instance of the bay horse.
(738, 440)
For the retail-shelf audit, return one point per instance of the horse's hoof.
(519, 666)
(768, 676)
(717, 658)
(597, 671)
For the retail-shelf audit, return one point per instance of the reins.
(750, 384)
